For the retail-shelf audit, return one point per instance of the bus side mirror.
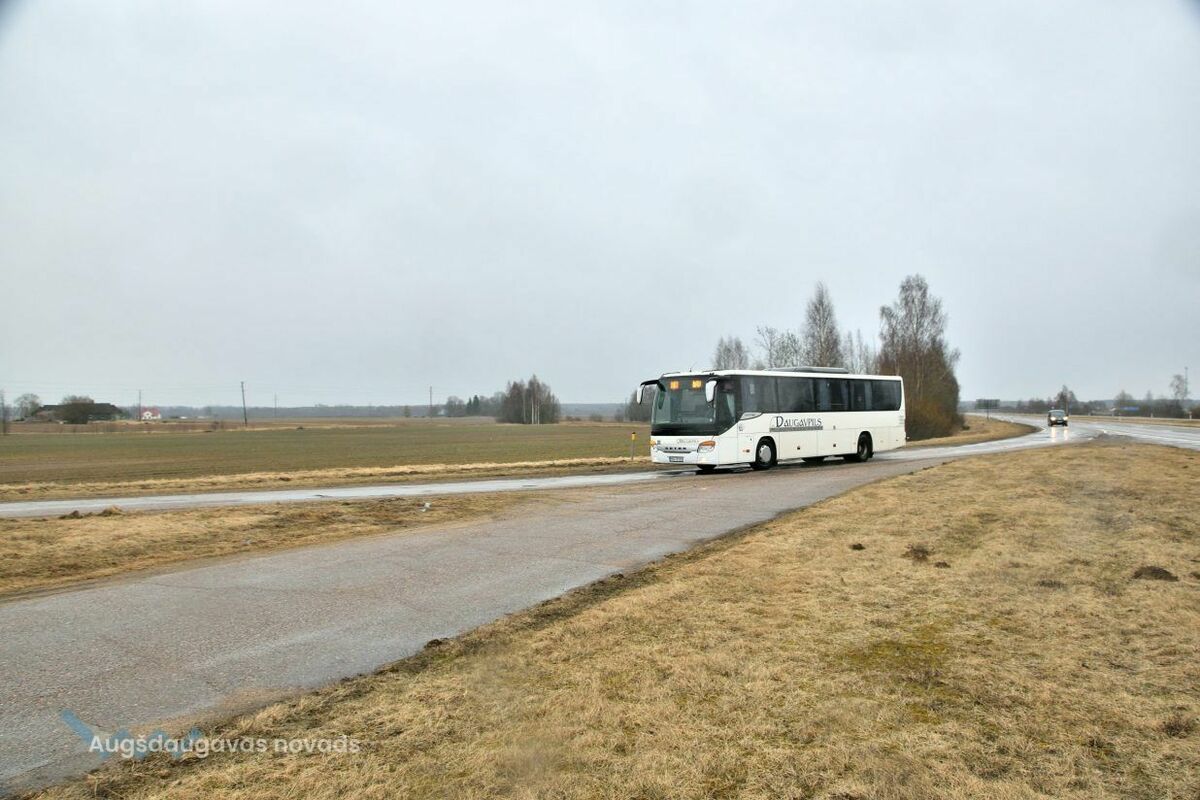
(710, 391)
(641, 390)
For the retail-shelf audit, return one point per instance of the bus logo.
(783, 424)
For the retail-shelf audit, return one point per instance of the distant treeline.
(1176, 405)
(527, 402)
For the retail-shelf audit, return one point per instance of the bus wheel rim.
(764, 453)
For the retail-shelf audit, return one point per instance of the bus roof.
(780, 372)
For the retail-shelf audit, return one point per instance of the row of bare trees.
(912, 344)
(529, 402)
(818, 343)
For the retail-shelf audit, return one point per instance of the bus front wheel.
(764, 455)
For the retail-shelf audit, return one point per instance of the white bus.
(761, 417)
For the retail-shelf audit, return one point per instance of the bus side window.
(758, 394)
(860, 395)
(805, 400)
(831, 394)
(789, 390)
(885, 395)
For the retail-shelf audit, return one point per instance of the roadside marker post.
(632, 440)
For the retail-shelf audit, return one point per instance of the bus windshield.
(680, 408)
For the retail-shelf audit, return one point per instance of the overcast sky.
(349, 202)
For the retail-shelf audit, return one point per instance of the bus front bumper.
(687, 457)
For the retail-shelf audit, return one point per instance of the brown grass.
(978, 429)
(38, 554)
(783, 663)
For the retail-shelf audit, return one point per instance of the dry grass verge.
(816, 656)
(1187, 423)
(40, 554)
(979, 429)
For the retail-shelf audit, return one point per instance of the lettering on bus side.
(797, 424)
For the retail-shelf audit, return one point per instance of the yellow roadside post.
(632, 440)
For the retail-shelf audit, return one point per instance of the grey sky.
(348, 202)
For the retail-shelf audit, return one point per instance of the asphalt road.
(144, 650)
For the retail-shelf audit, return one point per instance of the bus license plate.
(676, 459)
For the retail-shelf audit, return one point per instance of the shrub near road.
(972, 630)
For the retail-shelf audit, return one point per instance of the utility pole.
(245, 416)
(139, 416)
(3, 414)
(275, 413)
(431, 402)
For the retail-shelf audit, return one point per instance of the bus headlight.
(706, 447)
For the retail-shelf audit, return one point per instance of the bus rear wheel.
(764, 455)
(864, 451)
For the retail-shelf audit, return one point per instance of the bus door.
(725, 414)
(757, 395)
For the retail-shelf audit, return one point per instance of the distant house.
(151, 415)
(80, 412)
(44, 414)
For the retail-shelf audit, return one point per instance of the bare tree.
(860, 357)
(789, 350)
(821, 342)
(731, 354)
(27, 404)
(1123, 400)
(1065, 399)
(913, 345)
(1179, 388)
(768, 343)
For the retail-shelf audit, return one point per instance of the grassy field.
(978, 429)
(38, 554)
(974, 630)
(328, 453)
(49, 465)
